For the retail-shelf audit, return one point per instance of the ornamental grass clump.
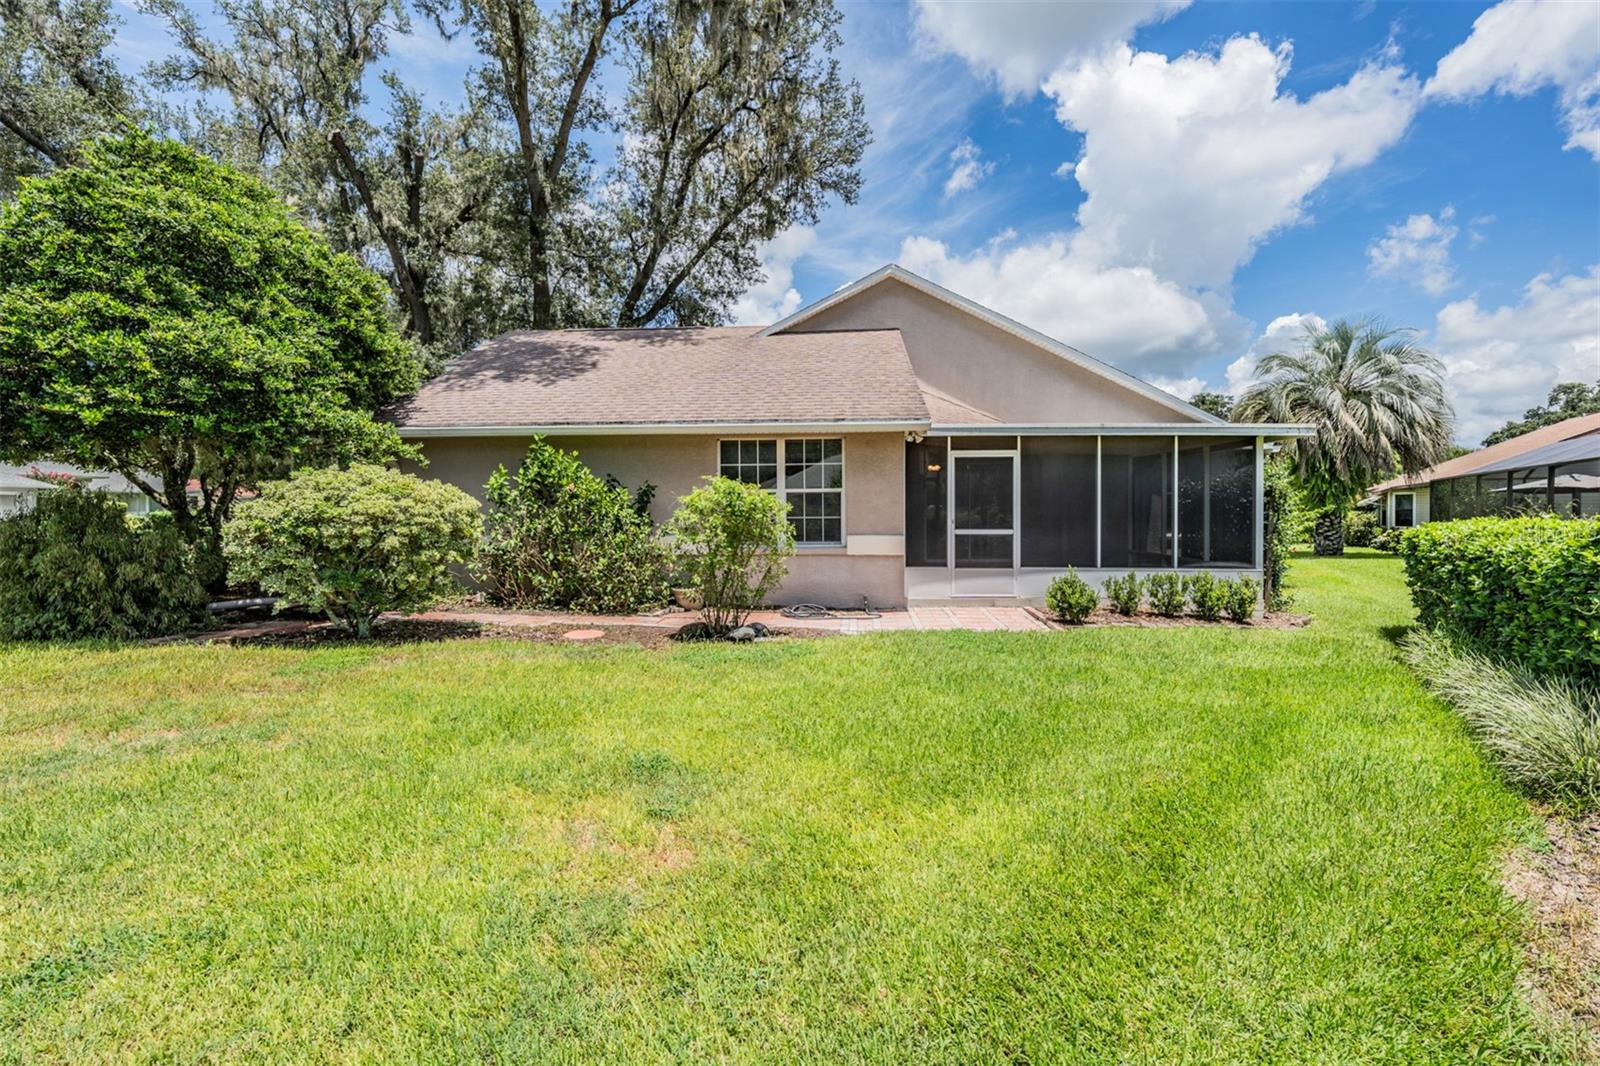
(1544, 732)
(1165, 591)
(1070, 598)
(1125, 593)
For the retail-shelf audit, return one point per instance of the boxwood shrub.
(1523, 590)
(1070, 598)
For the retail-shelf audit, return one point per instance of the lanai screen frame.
(1260, 435)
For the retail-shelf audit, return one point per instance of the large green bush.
(77, 565)
(1359, 528)
(1523, 590)
(557, 535)
(354, 543)
(733, 544)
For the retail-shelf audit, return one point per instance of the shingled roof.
(662, 377)
(1470, 463)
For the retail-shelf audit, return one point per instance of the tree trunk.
(1327, 537)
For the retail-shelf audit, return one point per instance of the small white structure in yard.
(20, 486)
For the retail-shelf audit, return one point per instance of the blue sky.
(1179, 187)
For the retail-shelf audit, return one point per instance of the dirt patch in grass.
(1560, 883)
(1104, 616)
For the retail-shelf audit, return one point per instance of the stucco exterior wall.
(978, 364)
(870, 564)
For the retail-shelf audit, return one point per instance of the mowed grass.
(1102, 845)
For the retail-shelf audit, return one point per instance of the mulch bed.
(1104, 616)
(1560, 883)
(308, 634)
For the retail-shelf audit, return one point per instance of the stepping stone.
(583, 634)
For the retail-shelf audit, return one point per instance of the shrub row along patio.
(1227, 844)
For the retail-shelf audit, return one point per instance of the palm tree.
(1377, 400)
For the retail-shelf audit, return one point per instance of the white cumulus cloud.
(1417, 250)
(1283, 334)
(1500, 361)
(1019, 42)
(1190, 163)
(1521, 46)
(967, 168)
(776, 297)
(1127, 315)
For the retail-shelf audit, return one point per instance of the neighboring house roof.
(100, 480)
(12, 479)
(666, 378)
(1575, 450)
(999, 321)
(942, 407)
(1514, 450)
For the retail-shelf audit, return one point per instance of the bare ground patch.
(1560, 884)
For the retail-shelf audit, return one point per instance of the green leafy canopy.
(162, 314)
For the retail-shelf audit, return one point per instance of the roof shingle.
(1462, 465)
(711, 375)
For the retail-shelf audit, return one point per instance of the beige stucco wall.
(874, 499)
(984, 366)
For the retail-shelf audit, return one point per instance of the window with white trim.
(811, 481)
(1405, 510)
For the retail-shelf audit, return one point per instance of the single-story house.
(929, 449)
(1554, 468)
(20, 486)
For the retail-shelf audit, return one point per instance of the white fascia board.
(634, 429)
(999, 321)
(1271, 430)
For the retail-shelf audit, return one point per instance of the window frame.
(1394, 510)
(782, 490)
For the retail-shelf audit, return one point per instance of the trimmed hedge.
(1523, 590)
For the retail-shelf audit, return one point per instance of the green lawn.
(1112, 844)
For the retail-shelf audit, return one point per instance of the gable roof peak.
(994, 318)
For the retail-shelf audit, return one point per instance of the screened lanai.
(992, 514)
(1561, 478)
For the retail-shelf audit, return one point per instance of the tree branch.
(32, 140)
